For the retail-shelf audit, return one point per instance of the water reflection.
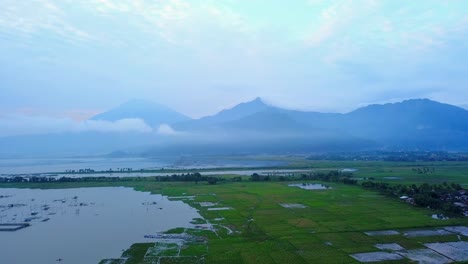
(83, 225)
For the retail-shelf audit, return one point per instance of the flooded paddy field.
(271, 222)
(315, 226)
(310, 186)
(83, 225)
(437, 253)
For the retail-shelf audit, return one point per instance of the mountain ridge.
(257, 127)
(152, 113)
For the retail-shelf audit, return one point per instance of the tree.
(212, 180)
(197, 177)
(255, 177)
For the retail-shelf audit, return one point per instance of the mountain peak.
(408, 103)
(257, 101)
(256, 105)
(419, 101)
(152, 113)
(239, 111)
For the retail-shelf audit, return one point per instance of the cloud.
(165, 129)
(32, 18)
(13, 125)
(311, 54)
(337, 20)
(122, 125)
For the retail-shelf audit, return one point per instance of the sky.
(67, 59)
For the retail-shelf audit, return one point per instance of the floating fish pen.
(13, 227)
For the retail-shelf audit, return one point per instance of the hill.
(153, 114)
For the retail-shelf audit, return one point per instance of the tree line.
(435, 196)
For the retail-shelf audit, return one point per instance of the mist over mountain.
(256, 127)
(419, 124)
(235, 113)
(239, 111)
(153, 114)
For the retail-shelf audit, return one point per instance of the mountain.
(266, 121)
(412, 115)
(255, 127)
(237, 112)
(153, 114)
(420, 123)
(411, 124)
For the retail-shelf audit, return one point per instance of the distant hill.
(255, 127)
(271, 121)
(411, 124)
(239, 111)
(417, 123)
(409, 116)
(153, 114)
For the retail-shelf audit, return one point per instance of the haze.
(72, 59)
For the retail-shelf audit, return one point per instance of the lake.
(83, 225)
(247, 172)
(46, 165)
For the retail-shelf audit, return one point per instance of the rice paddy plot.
(389, 246)
(293, 205)
(382, 233)
(462, 230)
(426, 256)
(207, 204)
(219, 208)
(376, 256)
(457, 251)
(310, 186)
(422, 233)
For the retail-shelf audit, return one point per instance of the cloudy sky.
(69, 59)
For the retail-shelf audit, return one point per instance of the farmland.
(328, 226)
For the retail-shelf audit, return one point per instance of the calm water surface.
(85, 224)
(45, 165)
